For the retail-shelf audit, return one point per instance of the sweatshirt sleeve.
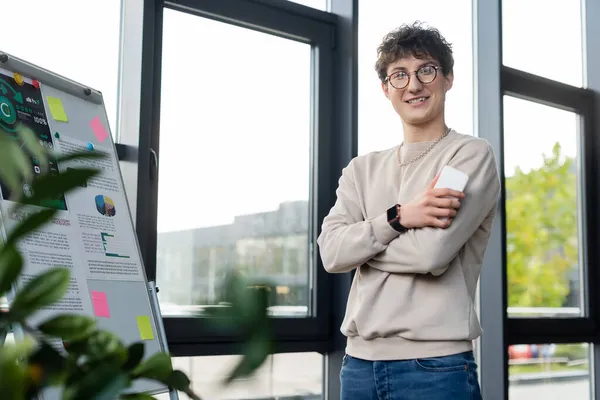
(347, 241)
(429, 249)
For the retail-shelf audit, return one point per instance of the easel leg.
(173, 394)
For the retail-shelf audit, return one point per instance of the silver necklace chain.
(404, 164)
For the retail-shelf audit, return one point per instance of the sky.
(235, 127)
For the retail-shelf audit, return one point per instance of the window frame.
(533, 88)
(191, 336)
(591, 80)
(493, 81)
(337, 146)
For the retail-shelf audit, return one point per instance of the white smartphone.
(452, 178)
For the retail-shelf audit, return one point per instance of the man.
(417, 250)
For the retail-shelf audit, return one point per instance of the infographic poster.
(21, 103)
(92, 233)
(100, 215)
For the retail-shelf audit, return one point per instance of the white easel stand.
(173, 395)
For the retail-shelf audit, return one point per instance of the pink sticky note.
(98, 129)
(100, 304)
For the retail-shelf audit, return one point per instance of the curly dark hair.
(417, 41)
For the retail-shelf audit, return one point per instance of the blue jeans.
(451, 377)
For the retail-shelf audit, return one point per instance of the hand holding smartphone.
(427, 210)
(451, 178)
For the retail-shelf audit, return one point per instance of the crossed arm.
(347, 240)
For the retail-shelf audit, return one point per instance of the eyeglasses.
(400, 79)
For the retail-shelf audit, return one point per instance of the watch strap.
(393, 217)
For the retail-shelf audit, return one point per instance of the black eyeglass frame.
(416, 73)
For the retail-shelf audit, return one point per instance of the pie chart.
(105, 205)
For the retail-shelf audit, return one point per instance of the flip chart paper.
(56, 109)
(98, 129)
(145, 327)
(100, 304)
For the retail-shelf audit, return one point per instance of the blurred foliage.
(91, 363)
(541, 232)
(578, 351)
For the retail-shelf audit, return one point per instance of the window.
(67, 45)
(379, 126)
(282, 376)
(235, 164)
(543, 208)
(551, 46)
(549, 372)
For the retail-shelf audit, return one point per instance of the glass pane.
(541, 164)
(552, 29)
(549, 371)
(91, 56)
(244, 141)
(318, 4)
(282, 376)
(379, 126)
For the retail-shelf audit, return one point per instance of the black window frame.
(191, 336)
(187, 337)
(533, 88)
(494, 80)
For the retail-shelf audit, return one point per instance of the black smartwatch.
(394, 219)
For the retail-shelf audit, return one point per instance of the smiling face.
(417, 103)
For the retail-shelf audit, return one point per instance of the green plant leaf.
(12, 378)
(105, 382)
(45, 366)
(72, 178)
(18, 350)
(16, 166)
(98, 346)
(69, 326)
(137, 396)
(256, 350)
(104, 344)
(157, 367)
(31, 143)
(76, 348)
(80, 155)
(12, 371)
(178, 381)
(254, 304)
(11, 265)
(114, 387)
(249, 305)
(135, 354)
(30, 224)
(51, 186)
(74, 371)
(43, 290)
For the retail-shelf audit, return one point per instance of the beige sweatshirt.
(413, 294)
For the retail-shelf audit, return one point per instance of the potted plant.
(94, 364)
